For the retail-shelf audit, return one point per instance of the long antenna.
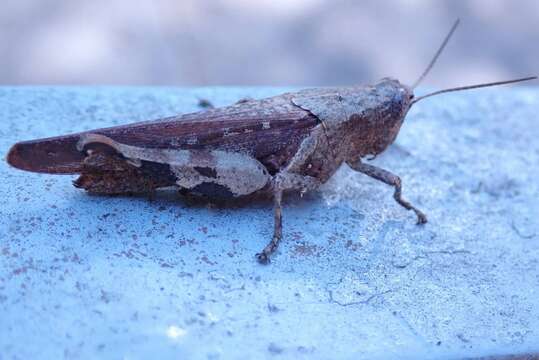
(440, 49)
(468, 87)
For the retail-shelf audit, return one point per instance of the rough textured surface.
(88, 276)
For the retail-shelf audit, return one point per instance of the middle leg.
(280, 183)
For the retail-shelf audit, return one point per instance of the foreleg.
(389, 179)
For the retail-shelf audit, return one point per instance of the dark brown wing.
(269, 129)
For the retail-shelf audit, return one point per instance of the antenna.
(469, 87)
(440, 49)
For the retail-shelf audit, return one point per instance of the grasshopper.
(291, 142)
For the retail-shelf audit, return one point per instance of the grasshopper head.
(385, 112)
(391, 102)
(397, 96)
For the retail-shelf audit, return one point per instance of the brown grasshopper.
(294, 141)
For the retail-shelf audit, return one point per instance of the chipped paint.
(148, 257)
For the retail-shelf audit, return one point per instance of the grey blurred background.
(263, 42)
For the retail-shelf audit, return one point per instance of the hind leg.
(106, 171)
(110, 174)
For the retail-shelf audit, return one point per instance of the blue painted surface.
(123, 277)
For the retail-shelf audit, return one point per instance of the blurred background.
(263, 42)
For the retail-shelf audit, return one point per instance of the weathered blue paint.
(99, 277)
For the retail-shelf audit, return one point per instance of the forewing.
(269, 129)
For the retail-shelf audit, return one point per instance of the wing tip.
(15, 159)
(45, 156)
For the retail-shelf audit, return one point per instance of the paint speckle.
(174, 332)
